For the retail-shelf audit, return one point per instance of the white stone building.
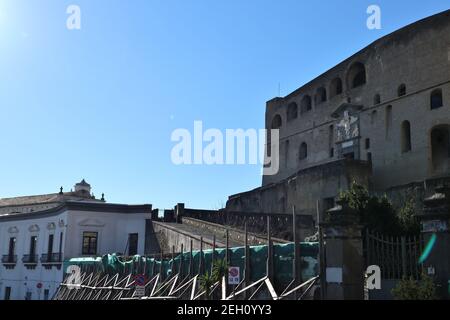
(38, 233)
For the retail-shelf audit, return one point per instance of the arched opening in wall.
(388, 121)
(377, 99)
(292, 111)
(305, 105)
(276, 122)
(373, 117)
(335, 87)
(406, 136)
(440, 148)
(321, 96)
(436, 99)
(356, 75)
(303, 154)
(401, 91)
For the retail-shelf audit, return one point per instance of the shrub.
(410, 289)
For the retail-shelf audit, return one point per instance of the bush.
(410, 289)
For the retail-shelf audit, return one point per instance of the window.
(133, 244)
(406, 136)
(377, 99)
(292, 111)
(369, 156)
(50, 245)
(367, 144)
(7, 293)
(388, 121)
(321, 96)
(401, 91)
(286, 153)
(28, 295)
(331, 140)
(60, 250)
(440, 148)
(305, 105)
(303, 151)
(335, 87)
(276, 122)
(373, 117)
(11, 248)
(90, 243)
(436, 99)
(33, 242)
(356, 75)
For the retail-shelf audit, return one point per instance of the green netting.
(283, 258)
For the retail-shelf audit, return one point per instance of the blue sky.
(101, 103)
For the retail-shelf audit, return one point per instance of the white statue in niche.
(347, 128)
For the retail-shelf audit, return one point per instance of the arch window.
(276, 122)
(321, 96)
(303, 151)
(406, 136)
(401, 91)
(305, 104)
(335, 87)
(356, 75)
(436, 99)
(292, 111)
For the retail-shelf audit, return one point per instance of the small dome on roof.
(83, 183)
(83, 186)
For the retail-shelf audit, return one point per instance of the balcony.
(9, 261)
(30, 259)
(52, 258)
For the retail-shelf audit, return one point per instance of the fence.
(397, 256)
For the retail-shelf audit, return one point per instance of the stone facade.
(387, 105)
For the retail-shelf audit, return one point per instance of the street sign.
(234, 275)
(140, 280)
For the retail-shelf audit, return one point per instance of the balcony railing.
(9, 259)
(30, 258)
(53, 258)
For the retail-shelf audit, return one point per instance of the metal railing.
(9, 259)
(30, 258)
(52, 257)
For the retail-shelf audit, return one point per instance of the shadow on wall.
(152, 245)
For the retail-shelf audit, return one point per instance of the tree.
(378, 213)
(220, 269)
(407, 217)
(206, 282)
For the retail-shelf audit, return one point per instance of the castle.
(380, 118)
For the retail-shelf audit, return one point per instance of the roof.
(45, 198)
(92, 206)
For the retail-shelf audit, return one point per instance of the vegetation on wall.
(379, 214)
